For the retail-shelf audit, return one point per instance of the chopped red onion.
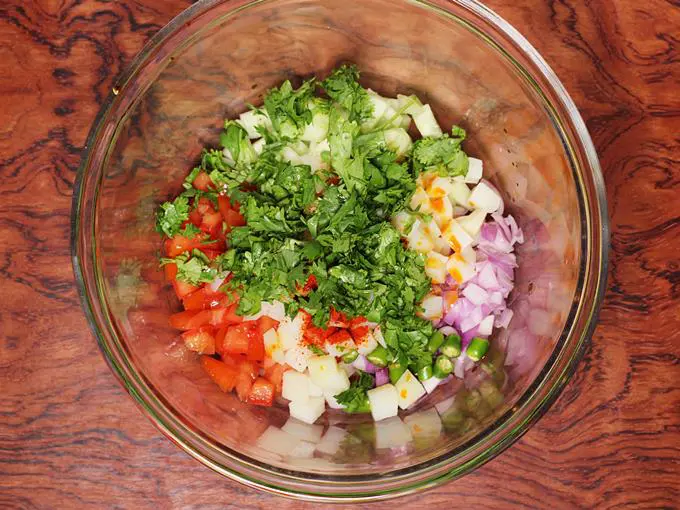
(475, 294)
(361, 363)
(382, 377)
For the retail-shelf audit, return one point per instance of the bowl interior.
(199, 73)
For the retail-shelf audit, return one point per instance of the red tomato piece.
(234, 218)
(179, 244)
(170, 271)
(204, 205)
(224, 205)
(195, 217)
(261, 393)
(223, 375)
(224, 316)
(190, 319)
(266, 323)
(255, 344)
(202, 299)
(211, 223)
(202, 181)
(183, 289)
(237, 338)
(274, 374)
(200, 340)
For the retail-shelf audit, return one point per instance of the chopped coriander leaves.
(355, 399)
(171, 215)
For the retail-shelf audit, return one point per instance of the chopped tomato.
(204, 205)
(183, 289)
(247, 374)
(195, 218)
(224, 316)
(266, 323)
(170, 271)
(274, 374)
(179, 244)
(234, 218)
(225, 376)
(237, 338)
(338, 337)
(338, 319)
(224, 205)
(202, 299)
(255, 344)
(261, 393)
(211, 223)
(200, 340)
(202, 181)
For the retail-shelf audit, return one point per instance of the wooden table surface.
(70, 437)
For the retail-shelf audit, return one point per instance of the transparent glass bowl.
(475, 70)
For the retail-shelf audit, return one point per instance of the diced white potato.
(303, 450)
(273, 347)
(435, 233)
(308, 410)
(392, 433)
(418, 239)
(252, 119)
(290, 331)
(401, 221)
(398, 141)
(475, 170)
(486, 326)
(435, 266)
(314, 157)
(367, 344)
(258, 146)
(316, 130)
(484, 197)
(301, 430)
(377, 333)
(331, 441)
(456, 236)
(409, 389)
(314, 390)
(440, 187)
(295, 386)
(420, 201)
(431, 383)
(442, 210)
(459, 194)
(408, 104)
(424, 424)
(331, 401)
(469, 255)
(297, 358)
(324, 372)
(277, 441)
(426, 123)
(348, 368)
(404, 122)
(460, 269)
(433, 307)
(340, 348)
(384, 401)
(472, 223)
(289, 154)
(275, 310)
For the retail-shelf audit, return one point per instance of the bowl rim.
(586, 312)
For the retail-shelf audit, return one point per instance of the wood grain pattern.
(71, 438)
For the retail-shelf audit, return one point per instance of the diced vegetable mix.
(324, 256)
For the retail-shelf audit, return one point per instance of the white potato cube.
(484, 197)
(409, 389)
(314, 390)
(459, 268)
(435, 267)
(435, 233)
(275, 310)
(303, 450)
(384, 401)
(297, 358)
(418, 238)
(277, 441)
(273, 347)
(307, 411)
(401, 221)
(367, 344)
(398, 141)
(290, 332)
(460, 194)
(258, 146)
(472, 223)
(410, 105)
(424, 424)
(469, 255)
(426, 123)
(316, 130)
(325, 373)
(301, 430)
(431, 383)
(440, 187)
(341, 348)
(331, 441)
(252, 119)
(392, 433)
(420, 201)
(433, 307)
(331, 400)
(295, 386)
(442, 210)
(475, 170)
(456, 236)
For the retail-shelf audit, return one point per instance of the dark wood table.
(70, 437)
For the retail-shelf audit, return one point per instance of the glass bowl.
(475, 70)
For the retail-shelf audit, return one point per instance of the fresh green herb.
(343, 87)
(355, 399)
(288, 108)
(171, 215)
(316, 350)
(442, 154)
(193, 269)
